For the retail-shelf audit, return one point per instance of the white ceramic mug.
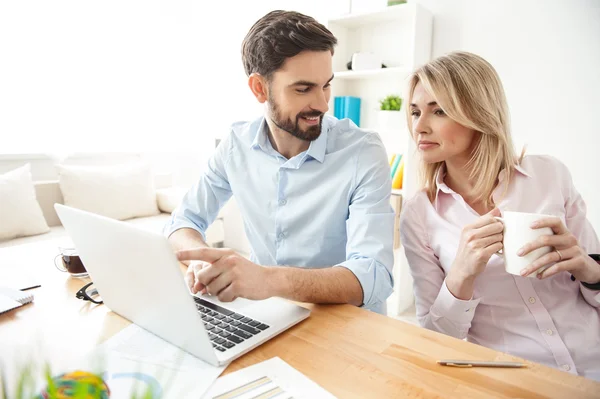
(518, 233)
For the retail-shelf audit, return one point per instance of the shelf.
(372, 73)
(401, 37)
(387, 14)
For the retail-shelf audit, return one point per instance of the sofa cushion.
(58, 235)
(119, 192)
(20, 213)
(170, 198)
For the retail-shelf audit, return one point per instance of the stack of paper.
(272, 378)
(11, 299)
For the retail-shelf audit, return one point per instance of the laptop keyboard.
(226, 328)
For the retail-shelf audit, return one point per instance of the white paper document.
(7, 304)
(136, 360)
(272, 378)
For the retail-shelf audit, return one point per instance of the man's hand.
(225, 274)
(193, 284)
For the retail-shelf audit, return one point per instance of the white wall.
(159, 76)
(162, 77)
(547, 54)
(133, 75)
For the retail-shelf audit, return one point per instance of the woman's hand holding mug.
(478, 242)
(567, 256)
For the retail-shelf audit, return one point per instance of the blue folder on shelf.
(347, 107)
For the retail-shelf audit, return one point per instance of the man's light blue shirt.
(327, 206)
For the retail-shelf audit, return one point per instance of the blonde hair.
(469, 91)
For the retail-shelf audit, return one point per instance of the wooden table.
(350, 352)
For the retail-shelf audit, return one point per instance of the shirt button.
(281, 236)
(549, 332)
(566, 367)
(282, 202)
(532, 300)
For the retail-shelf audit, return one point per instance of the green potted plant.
(390, 117)
(391, 103)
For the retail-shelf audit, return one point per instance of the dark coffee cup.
(69, 261)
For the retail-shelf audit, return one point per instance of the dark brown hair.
(280, 35)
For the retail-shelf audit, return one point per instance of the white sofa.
(48, 193)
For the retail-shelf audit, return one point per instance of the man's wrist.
(276, 281)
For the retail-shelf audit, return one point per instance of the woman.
(459, 118)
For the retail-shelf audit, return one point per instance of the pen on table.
(30, 287)
(474, 363)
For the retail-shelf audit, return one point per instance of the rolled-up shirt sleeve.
(437, 309)
(201, 204)
(370, 224)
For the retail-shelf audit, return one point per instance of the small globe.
(81, 383)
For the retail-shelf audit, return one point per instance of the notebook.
(14, 277)
(11, 299)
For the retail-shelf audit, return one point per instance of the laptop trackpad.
(267, 311)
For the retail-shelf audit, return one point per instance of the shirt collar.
(443, 187)
(518, 168)
(316, 149)
(439, 180)
(261, 139)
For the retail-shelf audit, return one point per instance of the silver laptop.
(138, 277)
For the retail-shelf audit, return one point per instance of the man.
(313, 191)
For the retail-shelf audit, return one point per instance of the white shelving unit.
(401, 36)
(372, 73)
(401, 12)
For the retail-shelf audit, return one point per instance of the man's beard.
(293, 127)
